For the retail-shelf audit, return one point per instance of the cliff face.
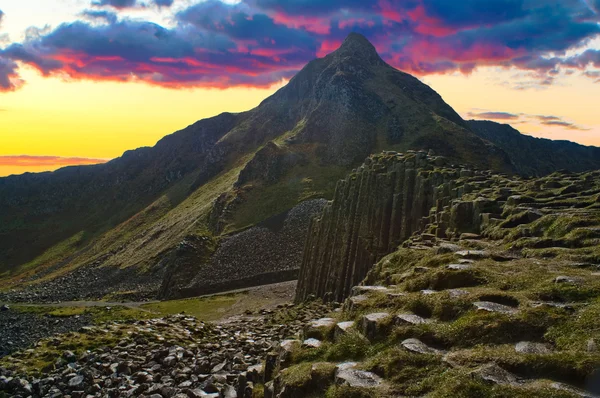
(377, 208)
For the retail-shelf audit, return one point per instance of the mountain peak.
(358, 46)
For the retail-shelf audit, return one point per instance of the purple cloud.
(259, 42)
(494, 115)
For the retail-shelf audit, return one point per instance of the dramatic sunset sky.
(81, 81)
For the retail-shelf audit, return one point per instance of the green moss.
(351, 345)
(569, 367)
(302, 183)
(411, 374)
(351, 392)
(479, 327)
(462, 385)
(98, 314)
(298, 376)
(258, 391)
(205, 309)
(578, 329)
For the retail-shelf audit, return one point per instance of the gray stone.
(342, 328)
(473, 254)
(360, 290)
(418, 347)
(455, 293)
(567, 280)
(410, 319)
(346, 365)
(357, 378)
(495, 307)
(312, 343)
(355, 302)
(494, 374)
(459, 267)
(527, 347)
(319, 328)
(76, 382)
(372, 325)
(572, 390)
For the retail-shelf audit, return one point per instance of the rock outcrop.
(377, 208)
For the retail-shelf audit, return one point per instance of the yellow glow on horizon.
(49, 116)
(573, 98)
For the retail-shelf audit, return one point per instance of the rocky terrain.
(496, 293)
(177, 356)
(492, 292)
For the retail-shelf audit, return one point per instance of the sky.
(82, 81)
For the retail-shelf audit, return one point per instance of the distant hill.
(537, 156)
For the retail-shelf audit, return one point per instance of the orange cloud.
(18, 164)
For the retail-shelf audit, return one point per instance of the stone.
(355, 302)
(357, 378)
(342, 328)
(459, 267)
(455, 293)
(169, 361)
(469, 236)
(346, 365)
(360, 290)
(495, 307)
(573, 390)
(418, 347)
(527, 347)
(410, 319)
(445, 247)
(428, 292)
(473, 254)
(567, 280)
(76, 382)
(372, 325)
(255, 373)
(312, 343)
(270, 366)
(4, 307)
(319, 328)
(494, 374)
(592, 346)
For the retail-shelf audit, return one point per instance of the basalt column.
(373, 211)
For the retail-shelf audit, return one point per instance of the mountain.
(167, 210)
(537, 156)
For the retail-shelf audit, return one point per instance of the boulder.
(373, 325)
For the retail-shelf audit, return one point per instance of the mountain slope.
(134, 211)
(537, 156)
